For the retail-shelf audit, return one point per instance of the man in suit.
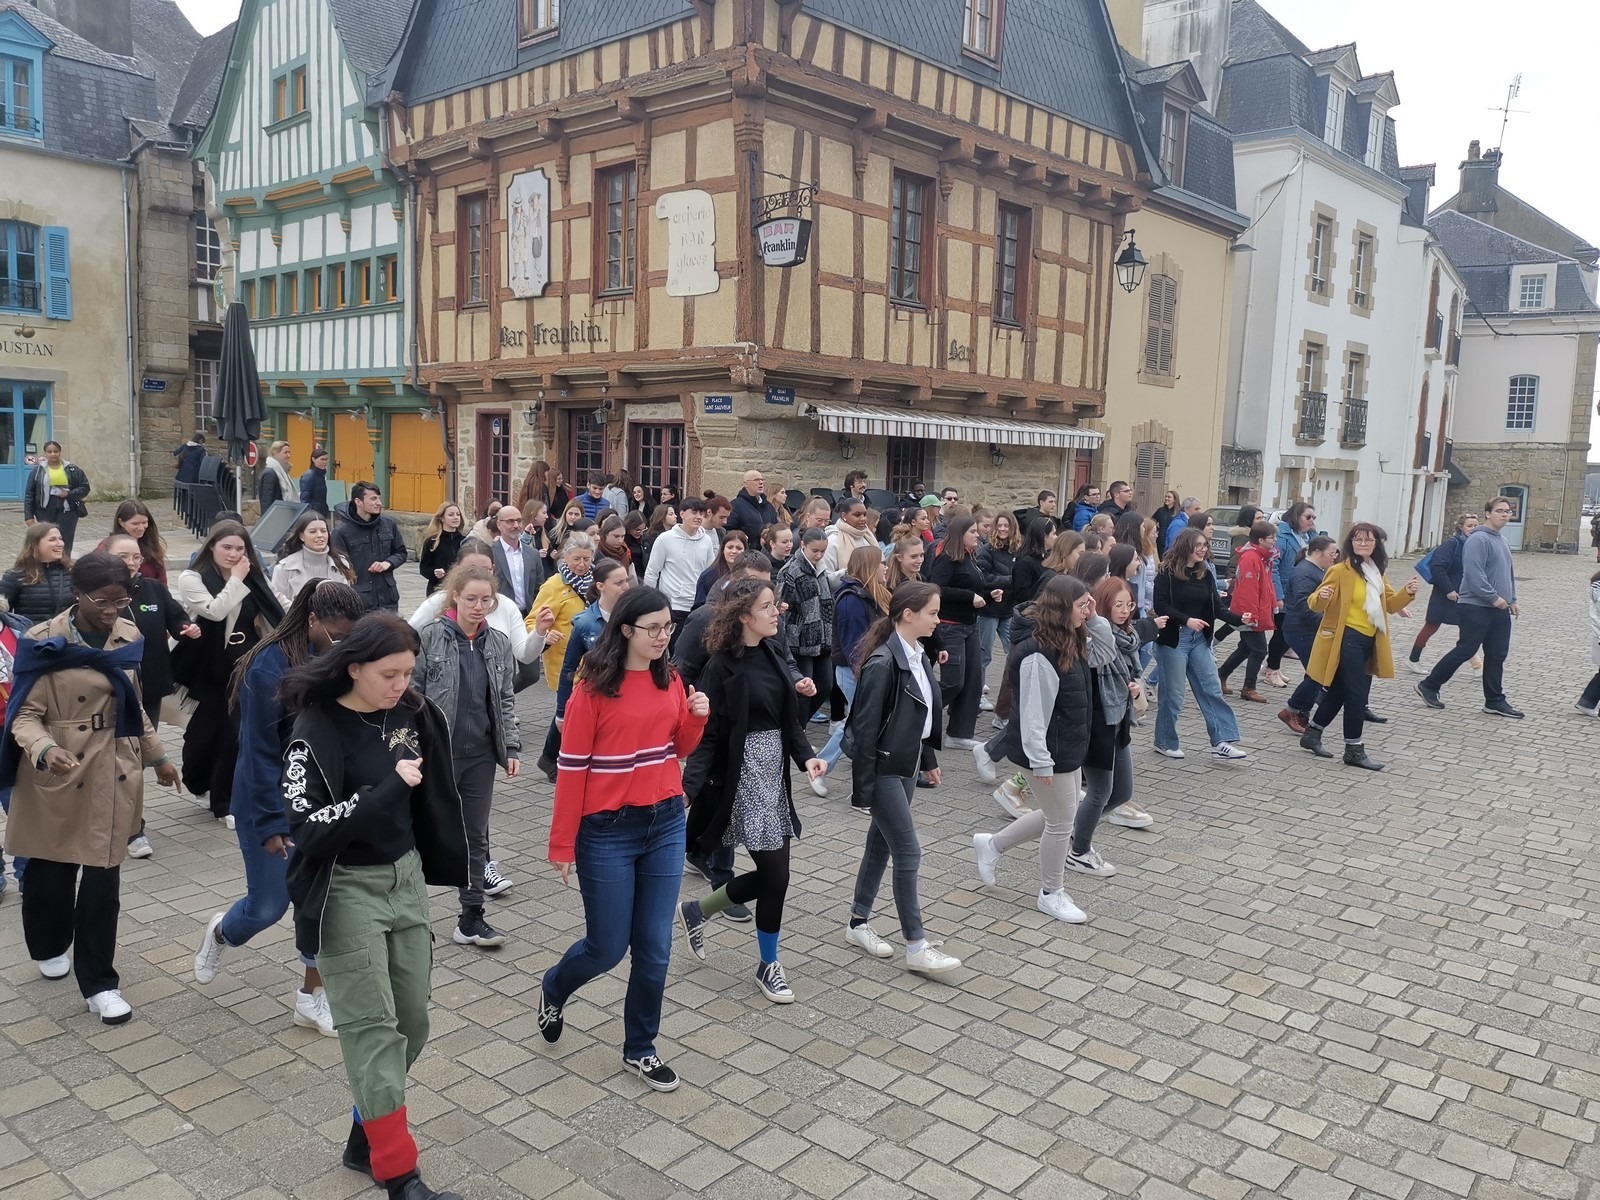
(517, 569)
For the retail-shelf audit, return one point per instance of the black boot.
(1311, 740)
(1355, 755)
(411, 1187)
(357, 1154)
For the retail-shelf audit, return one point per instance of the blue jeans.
(987, 628)
(845, 678)
(1308, 691)
(1191, 659)
(266, 896)
(630, 867)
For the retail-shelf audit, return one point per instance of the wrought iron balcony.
(19, 295)
(1453, 357)
(1313, 423)
(1353, 427)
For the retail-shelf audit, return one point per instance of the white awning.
(871, 421)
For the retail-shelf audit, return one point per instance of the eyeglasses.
(656, 631)
(106, 606)
(132, 560)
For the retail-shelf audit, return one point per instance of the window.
(247, 297)
(1161, 315)
(20, 283)
(657, 455)
(910, 461)
(1530, 293)
(19, 96)
(586, 439)
(1174, 136)
(363, 282)
(1355, 376)
(313, 291)
(472, 233)
(290, 290)
(389, 278)
(980, 28)
(206, 371)
(207, 249)
(1375, 138)
(1321, 255)
(1333, 118)
(1311, 369)
(1363, 270)
(267, 297)
(538, 18)
(616, 190)
(338, 297)
(908, 245)
(1522, 402)
(1011, 264)
(289, 94)
(494, 457)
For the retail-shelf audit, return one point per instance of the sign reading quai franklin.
(528, 234)
(783, 241)
(691, 242)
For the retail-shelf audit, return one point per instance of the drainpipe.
(127, 301)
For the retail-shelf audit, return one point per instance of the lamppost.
(1130, 265)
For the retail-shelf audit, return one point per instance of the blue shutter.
(57, 274)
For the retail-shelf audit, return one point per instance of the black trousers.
(1279, 643)
(210, 749)
(767, 885)
(819, 669)
(60, 913)
(1252, 648)
(1488, 629)
(961, 677)
(1351, 687)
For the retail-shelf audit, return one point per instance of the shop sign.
(719, 404)
(691, 219)
(27, 348)
(783, 241)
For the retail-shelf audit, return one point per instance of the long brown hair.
(913, 596)
(151, 546)
(725, 634)
(1012, 541)
(1052, 618)
(1176, 561)
(28, 560)
(954, 546)
(863, 568)
(535, 484)
(1060, 554)
(904, 539)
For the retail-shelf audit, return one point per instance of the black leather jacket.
(885, 731)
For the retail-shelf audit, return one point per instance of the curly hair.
(726, 631)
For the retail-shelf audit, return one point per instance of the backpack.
(1424, 567)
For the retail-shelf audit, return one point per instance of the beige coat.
(88, 816)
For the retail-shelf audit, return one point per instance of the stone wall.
(1553, 474)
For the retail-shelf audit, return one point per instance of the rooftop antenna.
(1505, 110)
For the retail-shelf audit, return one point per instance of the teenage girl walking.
(1186, 593)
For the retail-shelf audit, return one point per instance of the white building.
(1331, 326)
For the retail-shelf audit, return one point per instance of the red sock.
(394, 1152)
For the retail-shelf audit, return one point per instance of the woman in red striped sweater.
(619, 819)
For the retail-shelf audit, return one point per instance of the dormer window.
(22, 51)
(1174, 141)
(980, 28)
(1333, 120)
(1531, 291)
(537, 18)
(1375, 138)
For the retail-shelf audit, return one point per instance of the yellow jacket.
(566, 604)
(1324, 664)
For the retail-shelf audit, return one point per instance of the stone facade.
(1553, 473)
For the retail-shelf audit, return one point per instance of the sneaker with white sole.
(998, 724)
(986, 768)
(311, 1011)
(1090, 863)
(961, 743)
(988, 856)
(693, 923)
(140, 847)
(1129, 816)
(1228, 752)
(110, 1007)
(770, 979)
(819, 786)
(1175, 752)
(493, 882)
(1059, 905)
(58, 967)
(472, 930)
(1417, 667)
(551, 1022)
(930, 960)
(228, 821)
(985, 705)
(863, 937)
(654, 1072)
(1010, 799)
(1588, 712)
(208, 959)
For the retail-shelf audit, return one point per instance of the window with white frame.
(1174, 136)
(1530, 292)
(538, 18)
(1363, 269)
(1522, 402)
(206, 371)
(207, 249)
(1333, 119)
(1321, 255)
(980, 28)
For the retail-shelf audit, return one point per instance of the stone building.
(680, 239)
(1528, 353)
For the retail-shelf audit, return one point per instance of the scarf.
(38, 657)
(290, 492)
(1374, 604)
(578, 583)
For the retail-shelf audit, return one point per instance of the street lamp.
(1130, 265)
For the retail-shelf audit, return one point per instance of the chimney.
(1480, 182)
(106, 23)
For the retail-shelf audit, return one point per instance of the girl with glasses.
(619, 819)
(133, 518)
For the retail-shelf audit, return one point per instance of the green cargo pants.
(376, 960)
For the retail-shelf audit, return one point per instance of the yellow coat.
(566, 604)
(1324, 664)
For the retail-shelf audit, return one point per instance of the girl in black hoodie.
(963, 594)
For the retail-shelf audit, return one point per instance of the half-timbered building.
(316, 228)
(940, 187)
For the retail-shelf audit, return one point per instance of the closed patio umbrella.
(239, 409)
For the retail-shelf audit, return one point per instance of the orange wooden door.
(352, 458)
(296, 430)
(417, 468)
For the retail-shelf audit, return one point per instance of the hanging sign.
(783, 241)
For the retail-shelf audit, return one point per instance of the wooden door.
(417, 469)
(493, 477)
(351, 460)
(297, 431)
(1149, 476)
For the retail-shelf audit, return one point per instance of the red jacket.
(1252, 590)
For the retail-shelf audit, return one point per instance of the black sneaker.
(1502, 708)
(654, 1072)
(549, 767)
(357, 1153)
(414, 1189)
(551, 1022)
(1430, 696)
(473, 930)
(693, 922)
(702, 864)
(739, 913)
(770, 979)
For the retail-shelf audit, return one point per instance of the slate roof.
(370, 30)
(197, 98)
(1208, 155)
(1254, 33)
(164, 44)
(1485, 256)
(68, 45)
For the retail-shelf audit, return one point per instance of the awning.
(870, 421)
(1458, 477)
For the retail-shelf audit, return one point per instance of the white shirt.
(524, 649)
(914, 657)
(519, 577)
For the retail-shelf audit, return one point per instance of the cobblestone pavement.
(1304, 981)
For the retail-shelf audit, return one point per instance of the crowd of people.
(690, 643)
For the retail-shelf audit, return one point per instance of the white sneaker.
(998, 724)
(1228, 751)
(985, 704)
(1588, 712)
(864, 937)
(58, 967)
(140, 847)
(986, 767)
(312, 1012)
(988, 857)
(1090, 864)
(228, 820)
(819, 786)
(208, 958)
(1059, 905)
(1176, 752)
(958, 743)
(110, 1007)
(930, 960)
(1130, 816)
(1417, 666)
(493, 882)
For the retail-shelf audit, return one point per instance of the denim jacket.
(587, 627)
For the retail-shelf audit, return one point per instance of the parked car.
(1227, 535)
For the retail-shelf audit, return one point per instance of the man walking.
(518, 571)
(678, 557)
(372, 543)
(752, 511)
(1488, 602)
